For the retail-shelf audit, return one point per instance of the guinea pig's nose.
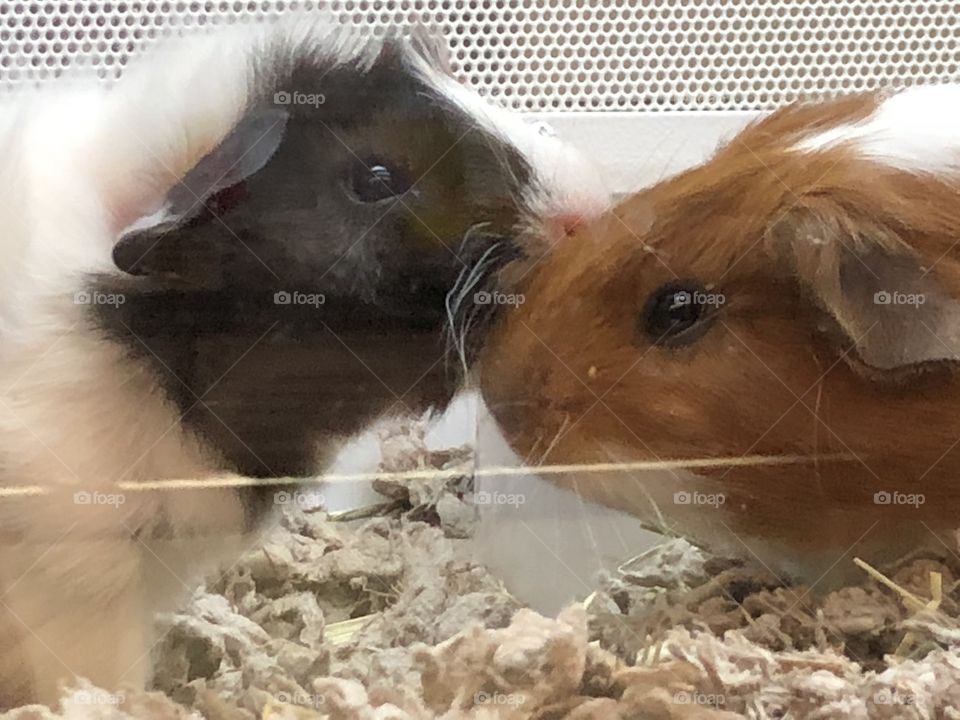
(564, 224)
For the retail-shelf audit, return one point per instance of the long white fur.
(564, 183)
(915, 129)
(78, 163)
(75, 412)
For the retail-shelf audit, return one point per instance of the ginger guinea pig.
(786, 315)
(224, 263)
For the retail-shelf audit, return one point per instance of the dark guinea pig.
(319, 241)
(293, 205)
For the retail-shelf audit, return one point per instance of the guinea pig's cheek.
(508, 385)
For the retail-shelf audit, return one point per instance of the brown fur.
(779, 371)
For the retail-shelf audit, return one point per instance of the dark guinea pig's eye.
(676, 313)
(373, 180)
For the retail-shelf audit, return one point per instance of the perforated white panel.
(579, 55)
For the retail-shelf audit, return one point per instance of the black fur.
(265, 383)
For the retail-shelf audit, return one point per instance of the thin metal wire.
(450, 473)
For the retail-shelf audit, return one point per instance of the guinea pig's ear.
(890, 310)
(157, 244)
(242, 153)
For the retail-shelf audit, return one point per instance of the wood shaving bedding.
(390, 618)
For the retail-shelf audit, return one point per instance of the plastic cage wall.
(625, 65)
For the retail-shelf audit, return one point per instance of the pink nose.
(565, 224)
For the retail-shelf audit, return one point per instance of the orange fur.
(763, 224)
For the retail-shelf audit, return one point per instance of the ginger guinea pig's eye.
(676, 313)
(372, 180)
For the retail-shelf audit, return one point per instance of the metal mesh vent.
(543, 55)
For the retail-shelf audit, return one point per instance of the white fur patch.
(79, 161)
(916, 129)
(564, 182)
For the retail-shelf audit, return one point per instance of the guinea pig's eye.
(676, 313)
(373, 180)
